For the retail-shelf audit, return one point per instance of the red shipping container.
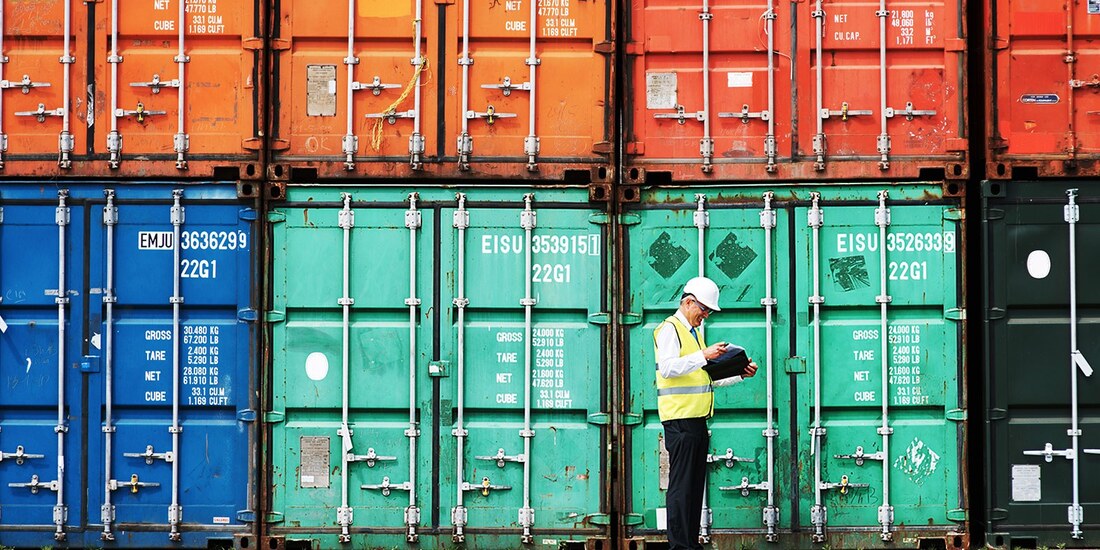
(461, 89)
(1043, 113)
(721, 90)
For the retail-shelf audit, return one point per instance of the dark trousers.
(687, 441)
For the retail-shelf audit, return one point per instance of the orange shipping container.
(173, 90)
(863, 89)
(411, 88)
(1045, 97)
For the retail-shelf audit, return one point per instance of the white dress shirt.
(669, 362)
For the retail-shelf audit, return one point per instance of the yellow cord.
(376, 130)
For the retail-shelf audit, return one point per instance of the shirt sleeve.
(669, 362)
(728, 381)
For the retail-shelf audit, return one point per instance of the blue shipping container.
(129, 362)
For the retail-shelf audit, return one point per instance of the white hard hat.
(705, 291)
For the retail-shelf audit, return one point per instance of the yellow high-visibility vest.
(687, 396)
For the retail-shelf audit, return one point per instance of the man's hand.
(714, 351)
(750, 370)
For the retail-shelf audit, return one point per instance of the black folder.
(732, 363)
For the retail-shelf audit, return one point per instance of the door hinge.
(630, 318)
(994, 313)
(994, 214)
(604, 47)
(954, 45)
(275, 316)
(252, 43)
(599, 419)
(273, 517)
(438, 369)
(246, 415)
(600, 318)
(795, 365)
(631, 419)
(956, 415)
(276, 216)
(955, 314)
(274, 417)
(247, 214)
(602, 148)
(998, 514)
(598, 519)
(629, 218)
(279, 145)
(956, 145)
(997, 414)
(280, 44)
(957, 515)
(599, 218)
(246, 516)
(252, 144)
(633, 519)
(954, 214)
(247, 315)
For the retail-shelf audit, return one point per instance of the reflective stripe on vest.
(690, 395)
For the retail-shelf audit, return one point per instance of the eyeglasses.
(706, 310)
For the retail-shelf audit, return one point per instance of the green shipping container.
(850, 299)
(1042, 328)
(439, 369)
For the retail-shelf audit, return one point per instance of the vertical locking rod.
(65, 140)
(527, 514)
(819, 138)
(458, 515)
(351, 141)
(416, 141)
(110, 219)
(706, 145)
(701, 219)
(114, 139)
(884, 135)
(181, 142)
(819, 513)
(3, 60)
(531, 143)
(465, 142)
(1072, 216)
(768, 222)
(886, 511)
(769, 141)
(344, 514)
(412, 513)
(62, 300)
(175, 511)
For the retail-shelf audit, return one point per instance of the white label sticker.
(739, 80)
(221, 520)
(660, 91)
(1026, 483)
(662, 519)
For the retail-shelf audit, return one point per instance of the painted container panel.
(473, 384)
(664, 250)
(1029, 482)
(1042, 97)
(156, 116)
(919, 352)
(443, 90)
(43, 120)
(119, 366)
(923, 461)
(913, 119)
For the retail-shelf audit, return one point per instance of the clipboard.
(732, 363)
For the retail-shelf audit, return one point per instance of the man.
(685, 400)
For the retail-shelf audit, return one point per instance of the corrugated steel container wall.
(388, 310)
(1042, 103)
(725, 92)
(120, 115)
(114, 343)
(1030, 372)
(218, 88)
(349, 100)
(761, 248)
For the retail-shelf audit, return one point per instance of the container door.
(882, 86)
(41, 117)
(42, 410)
(1030, 365)
(509, 372)
(907, 482)
(517, 97)
(163, 114)
(700, 87)
(351, 341)
(720, 235)
(1045, 75)
(346, 100)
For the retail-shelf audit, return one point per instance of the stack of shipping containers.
(1040, 224)
(129, 271)
(385, 273)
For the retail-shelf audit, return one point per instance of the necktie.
(694, 335)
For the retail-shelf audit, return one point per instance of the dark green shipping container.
(1042, 311)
